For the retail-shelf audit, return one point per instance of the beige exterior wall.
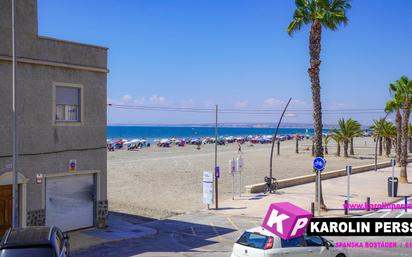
(42, 62)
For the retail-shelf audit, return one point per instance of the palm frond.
(294, 26)
(330, 13)
(333, 13)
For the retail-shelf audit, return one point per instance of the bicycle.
(271, 186)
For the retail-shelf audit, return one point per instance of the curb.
(289, 182)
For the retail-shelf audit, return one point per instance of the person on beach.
(239, 150)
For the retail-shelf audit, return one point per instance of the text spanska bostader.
(360, 227)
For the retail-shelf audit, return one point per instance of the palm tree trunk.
(380, 146)
(278, 146)
(313, 148)
(398, 148)
(338, 149)
(410, 145)
(404, 146)
(345, 148)
(352, 152)
(297, 144)
(314, 49)
(388, 146)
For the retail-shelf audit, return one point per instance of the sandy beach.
(159, 182)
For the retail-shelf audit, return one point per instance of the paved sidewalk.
(120, 227)
(196, 234)
(371, 184)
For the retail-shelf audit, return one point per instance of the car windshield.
(28, 252)
(254, 240)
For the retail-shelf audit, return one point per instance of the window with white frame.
(68, 103)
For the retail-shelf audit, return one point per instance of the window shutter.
(67, 95)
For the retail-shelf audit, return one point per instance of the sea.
(151, 133)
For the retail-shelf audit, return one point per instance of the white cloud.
(298, 102)
(127, 98)
(155, 99)
(242, 104)
(270, 102)
(140, 100)
(290, 115)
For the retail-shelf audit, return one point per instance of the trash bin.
(395, 184)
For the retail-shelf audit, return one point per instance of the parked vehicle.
(34, 242)
(258, 242)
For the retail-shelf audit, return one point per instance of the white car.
(259, 242)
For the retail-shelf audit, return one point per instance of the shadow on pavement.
(230, 208)
(172, 235)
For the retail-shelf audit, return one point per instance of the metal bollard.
(347, 206)
(312, 208)
(368, 203)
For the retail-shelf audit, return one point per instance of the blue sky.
(235, 53)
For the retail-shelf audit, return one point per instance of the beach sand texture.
(160, 182)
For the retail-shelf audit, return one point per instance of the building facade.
(61, 124)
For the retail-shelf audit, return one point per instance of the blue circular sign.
(319, 163)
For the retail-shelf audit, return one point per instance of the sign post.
(216, 178)
(348, 172)
(239, 169)
(232, 170)
(207, 188)
(319, 165)
(393, 162)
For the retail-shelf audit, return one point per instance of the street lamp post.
(273, 145)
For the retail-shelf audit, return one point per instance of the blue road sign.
(319, 163)
(217, 172)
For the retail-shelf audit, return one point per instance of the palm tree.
(336, 135)
(378, 132)
(356, 131)
(403, 87)
(395, 105)
(389, 134)
(328, 137)
(347, 131)
(319, 13)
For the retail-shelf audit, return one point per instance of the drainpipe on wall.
(15, 222)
